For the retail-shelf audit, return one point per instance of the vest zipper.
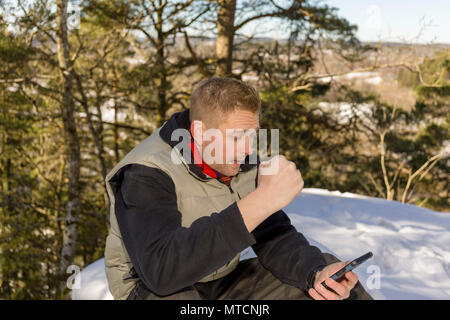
(232, 191)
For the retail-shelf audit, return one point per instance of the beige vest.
(196, 197)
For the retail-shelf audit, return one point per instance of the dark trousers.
(249, 281)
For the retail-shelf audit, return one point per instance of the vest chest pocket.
(194, 207)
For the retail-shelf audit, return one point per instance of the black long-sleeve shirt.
(168, 257)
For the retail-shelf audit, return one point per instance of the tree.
(31, 188)
(159, 23)
(70, 233)
(396, 154)
(298, 16)
(225, 37)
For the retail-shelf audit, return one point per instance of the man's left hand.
(342, 289)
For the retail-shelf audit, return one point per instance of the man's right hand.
(274, 191)
(279, 187)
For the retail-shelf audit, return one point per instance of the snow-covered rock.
(93, 284)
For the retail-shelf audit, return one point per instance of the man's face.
(236, 131)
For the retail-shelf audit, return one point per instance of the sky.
(412, 21)
(418, 21)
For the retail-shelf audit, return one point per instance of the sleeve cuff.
(312, 276)
(234, 230)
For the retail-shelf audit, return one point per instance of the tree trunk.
(97, 133)
(162, 88)
(161, 65)
(116, 129)
(70, 231)
(225, 36)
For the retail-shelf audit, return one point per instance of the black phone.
(339, 275)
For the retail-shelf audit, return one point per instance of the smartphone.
(340, 274)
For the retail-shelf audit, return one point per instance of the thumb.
(267, 161)
(264, 162)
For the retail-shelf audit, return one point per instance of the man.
(178, 226)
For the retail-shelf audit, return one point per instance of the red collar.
(206, 169)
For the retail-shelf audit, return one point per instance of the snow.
(344, 112)
(93, 284)
(367, 76)
(411, 245)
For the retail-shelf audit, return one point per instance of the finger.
(346, 283)
(315, 295)
(350, 281)
(336, 286)
(327, 294)
(264, 163)
(352, 278)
